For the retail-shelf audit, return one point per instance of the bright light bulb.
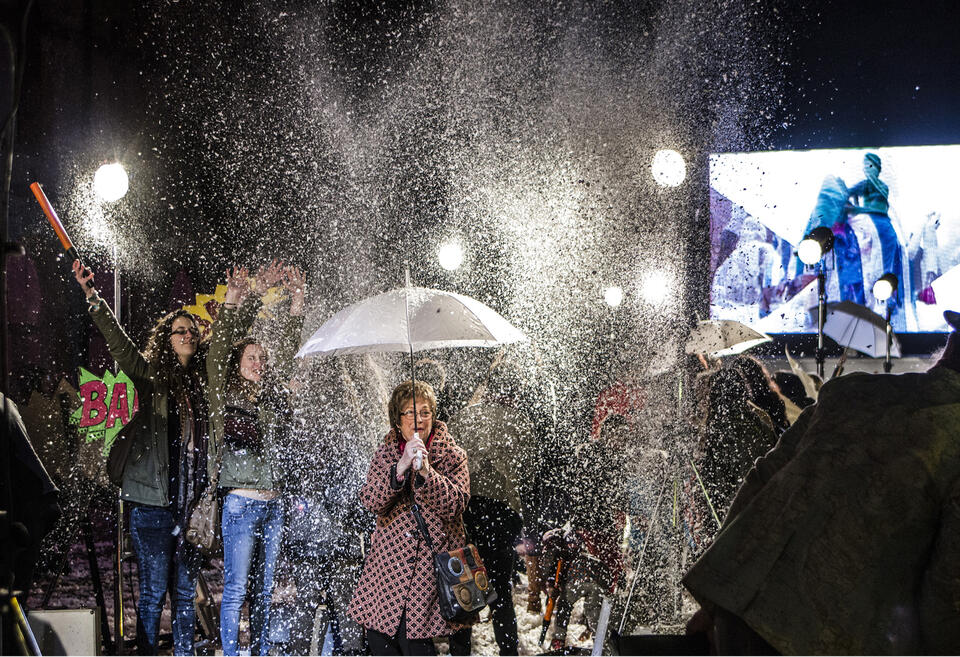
(110, 182)
(884, 287)
(450, 256)
(656, 288)
(809, 252)
(613, 296)
(882, 290)
(668, 168)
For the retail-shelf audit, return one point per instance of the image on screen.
(891, 210)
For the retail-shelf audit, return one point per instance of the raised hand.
(238, 285)
(295, 282)
(84, 276)
(267, 276)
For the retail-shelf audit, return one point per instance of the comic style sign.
(207, 306)
(108, 404)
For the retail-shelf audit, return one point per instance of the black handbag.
(463, 589)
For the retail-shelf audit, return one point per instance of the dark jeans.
(494, 528)
(151, 528)
(249, 525)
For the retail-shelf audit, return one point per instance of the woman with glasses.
(249, 415)
(396, 598)
(160, 457)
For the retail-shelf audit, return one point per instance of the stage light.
(110, 182)
(450, 255)
(656, 288)
(613, 296)
(668, 168)
(884, 287)
(815, 245)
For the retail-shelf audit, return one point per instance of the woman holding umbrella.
(396, 598)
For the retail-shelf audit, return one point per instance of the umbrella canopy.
(437, 319)
(723, 337)
(859, 328)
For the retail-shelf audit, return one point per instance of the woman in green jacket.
(162, 457)
(249, 414)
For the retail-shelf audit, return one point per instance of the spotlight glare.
(668, 168)
(450, 256)
(613, 296)
(656, 288)
(884, 287)
(110, 182)
(809, 251)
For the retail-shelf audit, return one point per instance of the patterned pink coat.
(398, 572)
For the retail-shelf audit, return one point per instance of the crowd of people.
(765, 456)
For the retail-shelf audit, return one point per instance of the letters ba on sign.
(108, 404)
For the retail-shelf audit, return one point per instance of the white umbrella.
(410, 319)
(723, 337)
(859, 328)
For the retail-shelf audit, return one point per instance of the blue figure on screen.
(866, 243)
(871, 196)
(831, 211)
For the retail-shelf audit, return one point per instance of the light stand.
(811, 251)
(887, 364)
(110, 183)
(883, 290)
(821, 316)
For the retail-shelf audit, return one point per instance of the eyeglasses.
(183, 331)
(424, 414)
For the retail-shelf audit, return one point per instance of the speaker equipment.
(66, 631)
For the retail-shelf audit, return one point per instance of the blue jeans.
(151, 528)
(250, 527)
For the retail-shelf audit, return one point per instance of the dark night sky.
(850, 74)
(874, 74)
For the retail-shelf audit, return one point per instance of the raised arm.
(294, 281)
(121, 347)
(233, 320)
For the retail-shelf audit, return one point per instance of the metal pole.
(887, 364)
(118, 630)
(821, 315)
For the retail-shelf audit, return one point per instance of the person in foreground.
(160, 460)
(845, 538)
(249, 420)
(396, 598)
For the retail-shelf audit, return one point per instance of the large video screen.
(891, 210)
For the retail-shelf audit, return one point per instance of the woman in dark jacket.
(162, 457)
(396, 599)
(249, 415)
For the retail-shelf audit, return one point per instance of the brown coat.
(845, 538)
(398, 571)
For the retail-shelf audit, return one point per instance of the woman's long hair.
(159, 353)
(762, 391)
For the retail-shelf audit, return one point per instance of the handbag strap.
(421, 523)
